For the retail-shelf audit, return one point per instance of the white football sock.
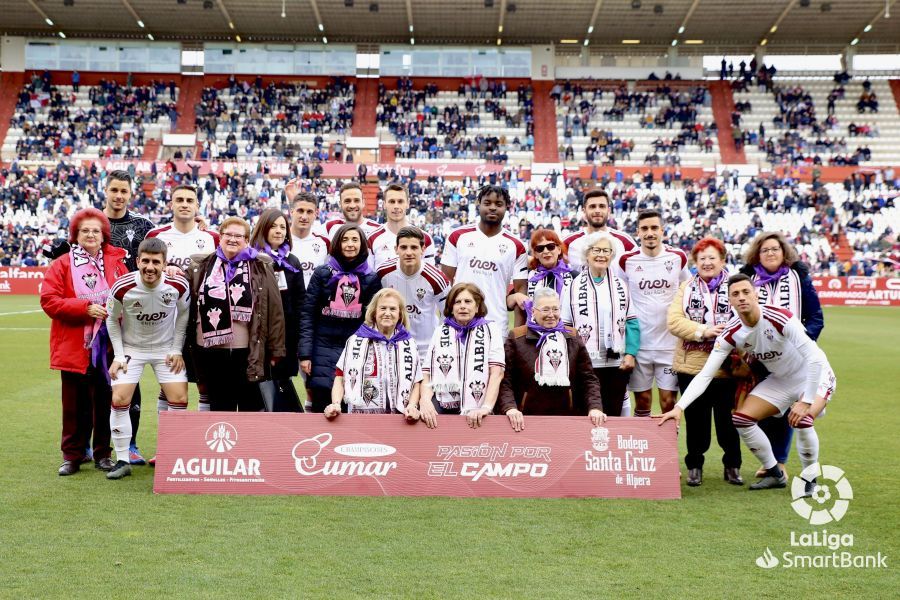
(162, 404)
(759, 444)
(203, 406)
(120, 431)
(807, 446)
(626, 405)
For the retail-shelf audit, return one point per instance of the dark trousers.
(85, 408)
(780, 434)
(718, 401)
(320, 398)
(226, 380)
(613, 382)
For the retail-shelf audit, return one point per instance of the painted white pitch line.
(21, 312)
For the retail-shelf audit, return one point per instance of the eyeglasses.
(773, 250)
(545, 248)
(234, 236)
(601, 251)
(90, 231)
(548, 310)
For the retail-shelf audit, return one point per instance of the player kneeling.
(147, 318)
(800, 379)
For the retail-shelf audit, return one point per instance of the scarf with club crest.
(226, 295)
(459, 364)
(552, 364)
(706, 303)
(379, 372)
(583, 296)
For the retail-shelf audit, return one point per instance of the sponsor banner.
(21, 280)
(858, 291)
(382, 455)
(280, 168)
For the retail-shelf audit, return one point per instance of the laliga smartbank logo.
(827, 502)
(306, 458)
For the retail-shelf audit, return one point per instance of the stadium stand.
(247, 119)
(100, 121)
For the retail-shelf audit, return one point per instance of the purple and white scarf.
(379, 372)
(458, 359)
(226, 295)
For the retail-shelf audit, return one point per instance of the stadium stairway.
(364, 109)
(151, 149)
(10, 85)
(844, 250)
(723, 106)
(370, 198)
(895, 90)
(188, 98)
(546, 144)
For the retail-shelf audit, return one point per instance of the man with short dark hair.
(488, 256)
(422, 285)
(127, 230)
(352, 205)
(596, 209)
(383, 241)
(654, 273)
(800, 380)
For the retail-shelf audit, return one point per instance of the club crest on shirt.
(370, 392)
(477, 388)
(316, 249)
(200, 244)
(90, 280)
(502, 249)
(670, 264)
(130, 233)
(444, 362)
(770, 335)
(555, 357)
(585, 332)
(348, 292)
(167, 298)
(420, 293)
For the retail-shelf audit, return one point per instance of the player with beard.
(596, 215)
(489, 257)
(352, 204)
(147, 317)
(800, 380)
(127, 230)
(184, 238)
(310, 248)
(654, 273)
(383, 241)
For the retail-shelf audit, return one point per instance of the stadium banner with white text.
(858, 291)
(21, 280)
(280, 168)
(383, 455)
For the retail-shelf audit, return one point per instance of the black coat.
(322, 335)
(292, 304)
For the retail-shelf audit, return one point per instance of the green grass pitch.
(86, 537)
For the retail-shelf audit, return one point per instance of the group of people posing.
(374, 326)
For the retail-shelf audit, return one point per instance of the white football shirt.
(652, 283)
(425, 293)
(311, 251)
(491, 263)
(147, 322)
(181, 246)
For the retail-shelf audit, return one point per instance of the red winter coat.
(69, 314)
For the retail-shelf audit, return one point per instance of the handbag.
(280, 396)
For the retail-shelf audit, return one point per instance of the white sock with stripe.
(203, 406)
(120, 430)
(807, 442)
(754, 438)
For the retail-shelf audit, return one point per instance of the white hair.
(591, 241)
(545, 292)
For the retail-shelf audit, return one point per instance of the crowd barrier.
(383, 455)
(833, 291)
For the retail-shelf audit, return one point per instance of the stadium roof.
(792, 26)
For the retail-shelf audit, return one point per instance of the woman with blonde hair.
(378, 372)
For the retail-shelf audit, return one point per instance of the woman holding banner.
(548, 369)
(464, 365)
(378, 372)
(73, 294)
(782, 280)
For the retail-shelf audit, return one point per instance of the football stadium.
(421, 299)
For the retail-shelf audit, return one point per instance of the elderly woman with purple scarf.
(782, 280)
(237, 323)
(271, 237)
(548, 368)
(332, 311)
(378, 372)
